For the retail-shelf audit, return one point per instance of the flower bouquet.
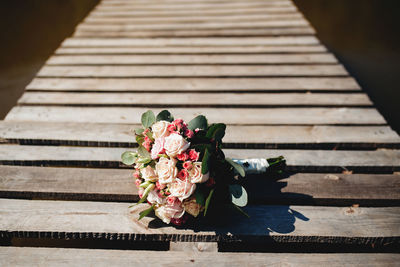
(182, 172)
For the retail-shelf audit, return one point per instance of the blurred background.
(363, 34)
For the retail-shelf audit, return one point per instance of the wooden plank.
(191, 59)
(226, 41)
(191, 26)
(157, 20)
(121, 135)
(192, 50)
(16, 256)
(194, 84)
(199, 33)
(245, 116)
(117, 185)
(124, 2)
(365, 227)
(381, 160)
(192, 71)
(202, 99)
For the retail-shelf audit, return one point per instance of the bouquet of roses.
(180, 168)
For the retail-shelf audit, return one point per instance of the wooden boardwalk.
(254, 64)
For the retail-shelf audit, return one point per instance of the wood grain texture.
(194, 84)
(244, 116)
(233, 41)
(122, 135)
(381, 160)
(118, 185)
(192, 71)
(201, 99)
(191, 59)
(279, 224)
(14, 256)
(192, 50)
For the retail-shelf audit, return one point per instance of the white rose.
(195, 174)
(154, 198)
(181, 189)
(148, 174)
(159, 129)
(192, 207)
(166, 170)
(175, 144)
(169, 211)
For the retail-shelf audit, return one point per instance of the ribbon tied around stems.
(253, 166)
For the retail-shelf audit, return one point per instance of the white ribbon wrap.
(253, 166)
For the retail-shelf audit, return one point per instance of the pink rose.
(138, 182)
(154, 198)
(147, 145)
(183, 174)
(158, 147)
(175, 144)
(195, 174)
(160, 186)
(187, 165)
(148, 174)
(166, 170)
(171, 127)
(183, 156)
(141, 191)
(194, 155)
(182, 189)
(136, 174)
(160, 129)
(189, 133)
(170, 211)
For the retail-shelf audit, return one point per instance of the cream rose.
(158, 147)
(159, 129)
(192, 207)
(166, 170)
(195, 174)
(175, 144)
(169, 211)
(181, 189)
(148, 174)
(154, 198)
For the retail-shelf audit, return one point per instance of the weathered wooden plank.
(194, 12)
(121, 135)
(124, 2)
(192, 50)
(191, 26)
(195, 84)
(377, 227)
(191, 59)
(157, 20)
(16, 256)
(381, 160)
(201, 99)
(245, 116)
(192, 71)
(199, 33)
(118, 185)
(226, 41)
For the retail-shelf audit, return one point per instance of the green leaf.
(165, 115)
(148, 119)
(241, 211)
(146, 193)
(208, 201)
(139, 131)
(200, 198)
(238, 195)
(143, 152)
(150, 135)
(144, 160)
(129, 157)
(140, 139)
(200, 122)
(216, 131)
(237, 167)
(204, 161)
(146, 212)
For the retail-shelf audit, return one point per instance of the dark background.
(363, 34)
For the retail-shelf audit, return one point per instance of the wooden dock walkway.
(253, 64)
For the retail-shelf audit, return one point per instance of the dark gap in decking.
(215, 91)
(188, 64)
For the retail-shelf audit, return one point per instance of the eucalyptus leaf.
(146, 212)
(205, 161)
(140, 139)
(216, 131)
(238, 195)
(200, 198)
(143, 152)
(129, 157)
(144, 160)
(208, 200)
(139, 131)
(165, 115)
(200, 122)
(148, 119)
(237, 167)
